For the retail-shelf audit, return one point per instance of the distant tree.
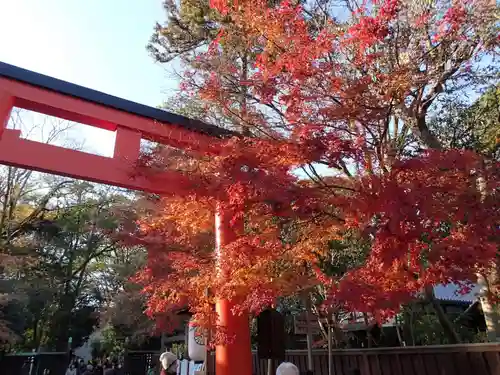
(190, 24)
(24, 198)
(85, 217)
(473, 127)
(124, 313)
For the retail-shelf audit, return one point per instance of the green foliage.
(112, 344)
(84, 319)
(422, 327)
(64, 275)
(97, 350)
(289, 307)
(193, 107)
(345, 253)
(126, 314)
(191, 24)
(60, 260)
(180, 349)
(473, 127)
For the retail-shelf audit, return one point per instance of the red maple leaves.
(322, 97)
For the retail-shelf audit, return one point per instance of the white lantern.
(196, 343)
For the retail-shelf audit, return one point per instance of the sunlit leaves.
(385, 219)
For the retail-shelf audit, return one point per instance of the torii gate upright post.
(232, 357)
(131, 122)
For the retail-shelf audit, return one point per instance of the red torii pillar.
(131, 122)
(233, 358)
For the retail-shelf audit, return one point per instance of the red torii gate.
(132, 122)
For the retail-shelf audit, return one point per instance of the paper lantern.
(196, 344)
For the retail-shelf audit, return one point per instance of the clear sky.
(99, 44)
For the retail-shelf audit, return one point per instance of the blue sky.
(99, 44)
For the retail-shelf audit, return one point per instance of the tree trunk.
(448, 328)
(36, 341)
(245, 129)
(489, 309)
(412, 327)
(269, 367)
(330, 354)
(338, 334)
(310, 366)
(398, 332)
(61, 330)
(368, 331)
(421, 130)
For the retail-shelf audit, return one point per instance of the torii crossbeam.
(132, 122)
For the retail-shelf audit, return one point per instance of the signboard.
(193, 367)
(300, 324)
(356, 322)
(183, 367)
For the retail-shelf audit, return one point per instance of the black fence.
(139, 362)
(34, 364)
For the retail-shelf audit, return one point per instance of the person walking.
(151, 370)
(287, 368)
(71, 369)
(109, 369)
(169, 363)
(89, 370)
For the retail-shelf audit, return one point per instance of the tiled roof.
(449, 292)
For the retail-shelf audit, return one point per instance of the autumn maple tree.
(332, 107)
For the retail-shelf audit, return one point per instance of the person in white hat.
(169, 363)
(287, 368)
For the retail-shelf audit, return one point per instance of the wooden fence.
(470, 359)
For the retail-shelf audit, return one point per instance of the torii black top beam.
(86, 94)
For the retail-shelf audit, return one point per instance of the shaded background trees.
(61, 257)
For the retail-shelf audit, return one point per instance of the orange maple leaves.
(334, 100)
